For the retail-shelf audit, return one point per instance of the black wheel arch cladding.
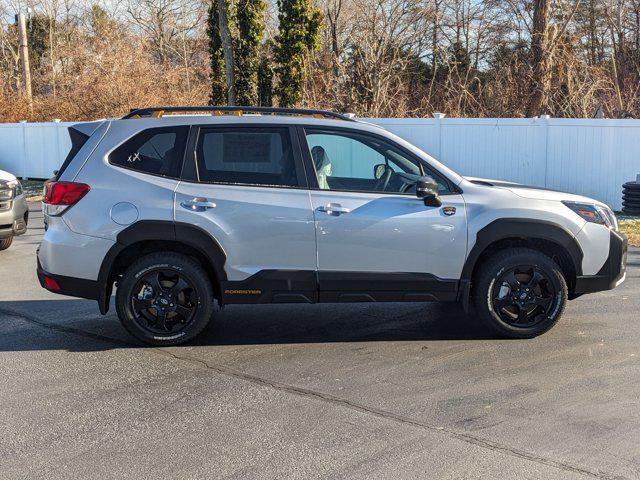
(159, 230)
(524, 229)
(201, 241)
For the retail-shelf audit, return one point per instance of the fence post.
(25, 153)
(439, 116)
(546, 150)
(545, 124)
(59, 155)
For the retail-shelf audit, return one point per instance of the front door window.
(358, 163)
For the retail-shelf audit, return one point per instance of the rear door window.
(157, 151)
(246, 155)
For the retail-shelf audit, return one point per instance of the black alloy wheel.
(165, 298)
(523, 296)
(164, 301)
(519, 292)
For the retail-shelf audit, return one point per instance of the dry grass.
(631, 228)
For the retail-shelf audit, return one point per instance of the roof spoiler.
(87, 128)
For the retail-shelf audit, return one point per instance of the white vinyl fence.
(588, 157)
(33, 150)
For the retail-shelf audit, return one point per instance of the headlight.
(9, 190)
(595, 214)
(17, 187)
(6, 192)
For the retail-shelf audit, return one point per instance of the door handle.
(333, 209)
(198, 204)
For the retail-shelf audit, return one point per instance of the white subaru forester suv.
(188, 212)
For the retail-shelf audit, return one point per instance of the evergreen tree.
(37, 37)
(265, 81)
(218, 82)
(250, 24)
(298, 34)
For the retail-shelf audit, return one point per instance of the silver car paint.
(258, 228)
(255, 236)
(594, 240)
(14, 211)
(486, 204)
(67, 253)
(390, 233)
(151, 195)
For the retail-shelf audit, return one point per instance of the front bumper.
(14, 216)
(613, 271)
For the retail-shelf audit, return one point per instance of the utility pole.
(227, 49)
(24, 58)
(541, 38)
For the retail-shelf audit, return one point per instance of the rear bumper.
(612, 272)
(73, 287)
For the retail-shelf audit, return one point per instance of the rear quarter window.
(156, 151)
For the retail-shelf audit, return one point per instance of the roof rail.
(237, 111)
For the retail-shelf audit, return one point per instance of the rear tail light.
(51, 284)
(58, 196)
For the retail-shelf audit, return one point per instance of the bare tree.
(377, 57)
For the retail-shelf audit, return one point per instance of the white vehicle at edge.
(14, 211)
(188, 213)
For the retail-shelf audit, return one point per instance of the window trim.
(190, 172)
(142, 172)
(313, 181)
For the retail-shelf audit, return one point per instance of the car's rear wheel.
(520, 293)
(6, 243)
(165, 299)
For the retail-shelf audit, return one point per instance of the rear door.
(245, 186)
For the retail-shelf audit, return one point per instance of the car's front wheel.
(165, 299)
(6, 243)
(520, 293)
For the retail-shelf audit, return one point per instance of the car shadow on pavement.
(76, 325)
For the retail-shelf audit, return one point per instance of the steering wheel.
(383, 182)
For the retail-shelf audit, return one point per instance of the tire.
(165, 299)
(632, 186)
(6, 243)
(494, 289)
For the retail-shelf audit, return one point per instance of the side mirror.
(427, 189)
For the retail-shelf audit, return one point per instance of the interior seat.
(323, 166)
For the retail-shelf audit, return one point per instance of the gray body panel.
(263, 228)
(12, 219)
(390, 233)
(13, 211)
(258, 228)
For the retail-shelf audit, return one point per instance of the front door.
(247, 189)
(376, 240)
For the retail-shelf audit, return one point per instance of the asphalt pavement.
(323, 391)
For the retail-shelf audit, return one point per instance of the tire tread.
(6, 243)
(487, 272)
(177, 259)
